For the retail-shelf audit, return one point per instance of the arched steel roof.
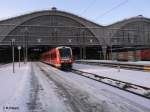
(6, 26)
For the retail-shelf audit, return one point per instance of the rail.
(140, 67)
(126, 86)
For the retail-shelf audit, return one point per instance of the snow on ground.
(31, 90)
(14, 88)
(28, 90)
(135, 77)
(48, 97)
(115, 61)
(98, 96)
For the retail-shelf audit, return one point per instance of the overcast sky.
(103, 12)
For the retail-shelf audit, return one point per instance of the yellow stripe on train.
(146, 68)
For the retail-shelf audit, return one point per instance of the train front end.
(66, 58)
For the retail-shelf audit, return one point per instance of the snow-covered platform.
(139, 65)
(132, 76)
(14, 87)
(38, 87)
(146, 63)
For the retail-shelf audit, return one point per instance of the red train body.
(60, 57)
(143, 55)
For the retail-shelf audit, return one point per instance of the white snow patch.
(131, 76)
(111, 97)
(14, 88)
(117, 62)
(48, 96)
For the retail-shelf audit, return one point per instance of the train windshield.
(65, 53)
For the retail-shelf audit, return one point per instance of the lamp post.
(19, 48)
(13, 54)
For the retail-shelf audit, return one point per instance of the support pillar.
(81, 52)
(104, 49)
(100, 53)
(84, 52)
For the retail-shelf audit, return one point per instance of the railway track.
(126, 86)
(122, 85)
(76, 100)
(137, 67)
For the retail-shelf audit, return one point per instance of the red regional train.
(60, 57)
(143, 55)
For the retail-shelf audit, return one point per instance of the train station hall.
(36, 32)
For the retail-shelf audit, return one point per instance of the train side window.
(54, 54)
